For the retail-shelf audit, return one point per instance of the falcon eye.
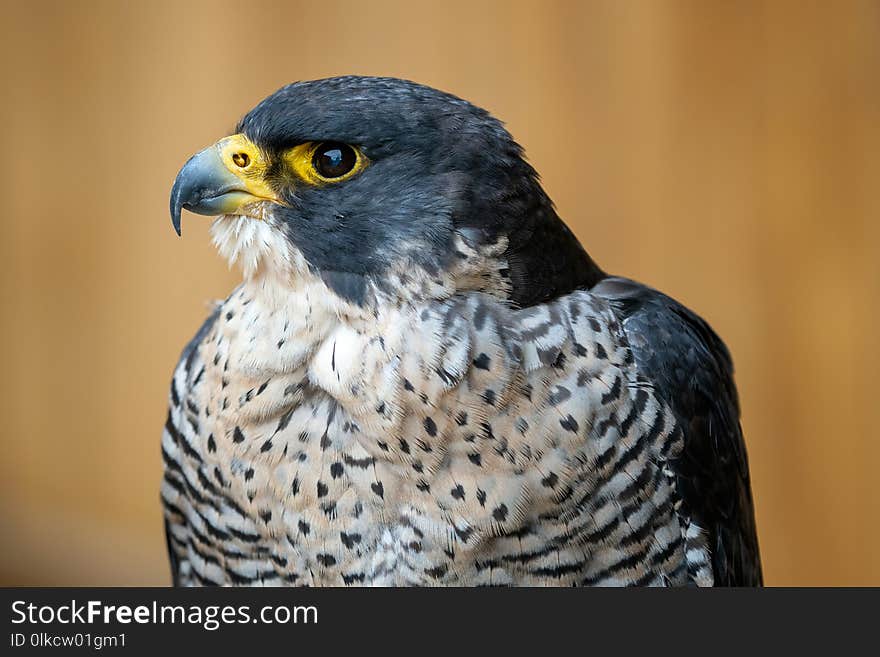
(241, 160)
(333, 160)
(321, 162)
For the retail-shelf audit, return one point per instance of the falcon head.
(385, 190)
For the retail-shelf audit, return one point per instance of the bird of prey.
(424, 379)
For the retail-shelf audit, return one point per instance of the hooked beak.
(221, 179)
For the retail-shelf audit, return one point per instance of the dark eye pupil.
(333, 160)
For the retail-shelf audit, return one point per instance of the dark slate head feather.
(437, 165)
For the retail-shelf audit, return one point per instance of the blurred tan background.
(726, 152)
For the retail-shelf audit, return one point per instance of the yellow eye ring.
(317, 162)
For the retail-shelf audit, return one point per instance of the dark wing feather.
(692, 371)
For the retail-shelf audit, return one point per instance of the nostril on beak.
(241, 160)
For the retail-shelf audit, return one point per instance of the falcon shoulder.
(692, 371)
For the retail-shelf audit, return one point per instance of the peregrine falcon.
(424, 379)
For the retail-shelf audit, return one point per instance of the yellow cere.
(248, 163)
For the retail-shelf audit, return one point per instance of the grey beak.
(205, 186)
